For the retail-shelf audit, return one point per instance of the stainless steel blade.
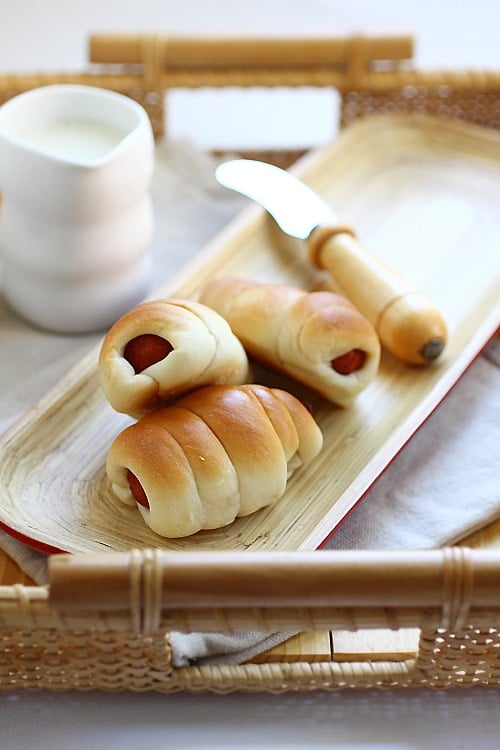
(294, 206)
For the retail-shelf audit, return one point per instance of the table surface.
(448, 35)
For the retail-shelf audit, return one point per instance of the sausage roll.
(164, 348)
(318, 338)
(217, 453)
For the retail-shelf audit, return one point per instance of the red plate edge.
(34, 543)
(403, 446)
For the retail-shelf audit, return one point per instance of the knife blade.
(408, 324)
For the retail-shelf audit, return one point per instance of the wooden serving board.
(423, 195)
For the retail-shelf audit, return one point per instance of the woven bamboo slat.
(73, 635)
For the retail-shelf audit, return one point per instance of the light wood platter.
(423, 194)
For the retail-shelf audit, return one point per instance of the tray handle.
(267, 590)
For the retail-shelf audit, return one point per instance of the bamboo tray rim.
(69, 389)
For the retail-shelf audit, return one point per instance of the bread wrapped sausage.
(217, 453)
(164, 348)
(317, 338)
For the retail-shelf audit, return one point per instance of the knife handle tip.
(412, 329)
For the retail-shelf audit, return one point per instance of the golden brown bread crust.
(215, 454)
(298, 333)
(205, 351)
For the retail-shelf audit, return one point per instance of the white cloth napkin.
(441, 487)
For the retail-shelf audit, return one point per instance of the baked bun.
(164, 348)
(317, 338)
(215, 454)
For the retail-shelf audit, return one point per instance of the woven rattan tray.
(103, 622)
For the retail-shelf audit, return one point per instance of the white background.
(51, 35)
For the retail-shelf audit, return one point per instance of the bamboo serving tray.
(423, 195)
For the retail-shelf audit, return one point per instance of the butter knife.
(407, 323)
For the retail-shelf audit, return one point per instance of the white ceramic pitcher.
(76, 217)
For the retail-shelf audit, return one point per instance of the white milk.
(76, 220)
(78, 140)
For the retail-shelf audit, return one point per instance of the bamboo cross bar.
(452, 579)
(146, 66)
(194, 52)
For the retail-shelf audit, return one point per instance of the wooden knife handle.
(408, 325)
